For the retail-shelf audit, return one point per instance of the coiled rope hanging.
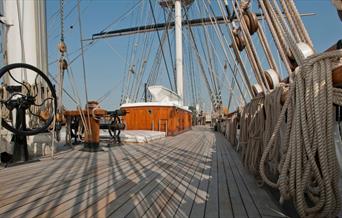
(272, 108)
(251, 134)
(231, 129)
(308, 169)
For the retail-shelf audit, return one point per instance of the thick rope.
(274, 31)
(309, 170)
(251, 51)
(272, 108)
(243, 73)
(251, 134)
(231, 130)
(299, 23)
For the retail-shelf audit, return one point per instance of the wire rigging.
(161, 45)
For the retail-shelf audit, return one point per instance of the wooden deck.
(195, 174)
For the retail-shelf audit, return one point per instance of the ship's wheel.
(26, 92)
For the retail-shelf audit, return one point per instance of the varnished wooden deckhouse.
(156, 116)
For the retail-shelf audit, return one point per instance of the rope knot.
(245, 4)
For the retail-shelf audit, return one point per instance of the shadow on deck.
(195, 174)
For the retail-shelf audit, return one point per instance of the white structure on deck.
(140, 136)
(162, 94)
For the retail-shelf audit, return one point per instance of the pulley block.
(257, 89)
(251, 21)
(272, 78)
(239, 40)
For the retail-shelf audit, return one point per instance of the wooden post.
(92, 135)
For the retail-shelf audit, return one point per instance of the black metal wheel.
(113, 131)
(26, 97)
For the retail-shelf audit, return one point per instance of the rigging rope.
(169, 43)
(83, 66)
(305, 155)
(243, 74)
(231, 129)
(198, 57)
(250, 49)
(224, 45)
(252, 125)
(161, 45)
(276, 35)
(222, 40)
(234, 70)
(309, 165)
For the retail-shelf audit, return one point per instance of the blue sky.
(106, 61)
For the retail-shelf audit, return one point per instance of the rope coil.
(308, 168)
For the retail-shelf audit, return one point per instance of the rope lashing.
(308, 168)
(245, 4)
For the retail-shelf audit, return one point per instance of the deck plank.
(178, 187)
(194, 174)
(212, 204)
(185, 206)
(117, 186)
(73, 191)
(188, 188)
(75, 166)
(247, 200)
(201, 196)
(102, 203)
(225, 192)
(265, 205)
(159, 172)
(238, 207)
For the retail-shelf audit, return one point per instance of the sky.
(107, 61)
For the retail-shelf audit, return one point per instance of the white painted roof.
(162, 94)
(151, 104)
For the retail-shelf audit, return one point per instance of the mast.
(179, 49)
(24, 41)
(177, 6)
(25, 33)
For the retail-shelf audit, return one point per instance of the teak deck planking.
(195, 174)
